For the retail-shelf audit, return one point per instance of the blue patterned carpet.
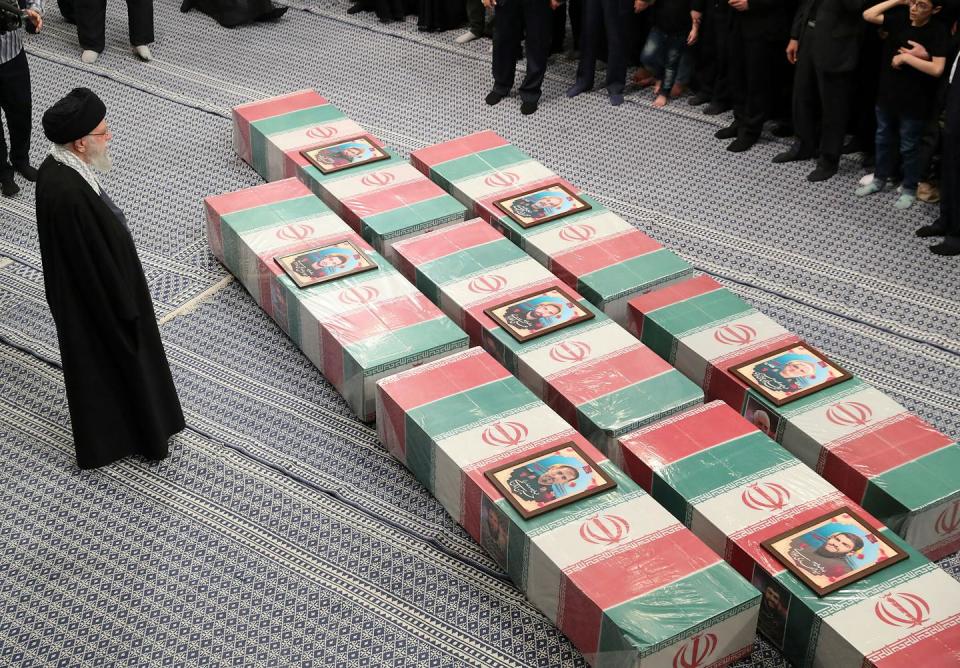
(279, 532)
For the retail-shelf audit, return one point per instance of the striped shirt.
(11, 43)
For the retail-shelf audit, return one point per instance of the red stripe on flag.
(671, 294)
(450, 240)
(390, 199)
(457, 148)
(455, 375)
(646, 567)
(688, 434)
(381, 317)
(248, 198)
(888, 447)
(602, 254)
(590, 381)
(284, 104)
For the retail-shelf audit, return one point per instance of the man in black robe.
(119, 388)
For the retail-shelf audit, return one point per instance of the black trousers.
(822, 103)
(711, 52)
(17, 105)
(753, 80)
(950, 164)
(611, 17)
(514, 19)
(476, 17)
(91, 15)
(559, 35)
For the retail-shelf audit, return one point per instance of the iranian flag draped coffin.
(622, 578)
(594, 373)
(871, 448)
(734, 488)
(355, 329)
(595, 252)
(383, 201)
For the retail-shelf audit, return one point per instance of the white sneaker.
(89, 57)
(466, 37)
(143, 53)
(867, 178)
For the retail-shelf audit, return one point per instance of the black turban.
(73, 116)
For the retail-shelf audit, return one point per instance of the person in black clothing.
(914, 56)
(387, 11)
(948, 224)
(758, 29)
(710, 56)
(90, 17)
(824, 45)
(516, 19)
(676, 25)
(599, 17)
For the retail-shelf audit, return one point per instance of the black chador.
(119, 387)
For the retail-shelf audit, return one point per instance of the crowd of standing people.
(838, 76)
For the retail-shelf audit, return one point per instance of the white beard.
(100, 160)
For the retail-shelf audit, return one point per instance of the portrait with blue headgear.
(547, 203)
(344, 154)
(790, 373)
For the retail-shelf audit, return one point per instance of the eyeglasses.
(100, 134)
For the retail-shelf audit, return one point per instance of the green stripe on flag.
(298, 119)
(413, 217)
(654, 620)
(459, 265)
(644, 402)
(703, 472)
(657, 339)
(270, 215)
(701, 310)
(641, 272)
(450, 413)
(420, 453)
(402, 346)
(478, 163)
(921, 482)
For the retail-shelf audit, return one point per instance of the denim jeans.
(891, 126)
(661, 56)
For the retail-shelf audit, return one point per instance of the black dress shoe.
(741, 144)
(698, 99)
(946, 248)
(527, 108)
(27, 172)
(728, 132)
(934, 229)
(821, 173)
(9, 187)
(493, 97)
(851, 146)
(793, 154)
(715, 108)
(355, 9)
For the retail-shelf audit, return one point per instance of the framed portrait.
(762, 417)
(833, 550)
(542, 205)
(538, 313)
(494, 531)
(325, 263)
(789, 373)
(537, 484)
(329, 158)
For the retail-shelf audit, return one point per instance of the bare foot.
(656, 87)
(677, 90)
(661, 101)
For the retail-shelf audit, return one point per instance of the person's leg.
(476, 17)
(91, 16)
(592, 22)
(507, 33)
(885, 149)
(140, 19)
(836, 90)
(754, 106)
(6, 169)
(537, 17)
(18, 107)
(722, 97)
(911, 136)
(575, 11)
(673, 52)
(737, 78)
(67, 10)
(705, 57)
(806, 108)
(616, 13)
(558, 33)
(652, 56)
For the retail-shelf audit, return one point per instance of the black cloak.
(119, 388)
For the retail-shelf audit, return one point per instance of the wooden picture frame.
(530, 203)
(313, 266)
(781, 388)
(514, 314)
(332, 157)
(817, 566)
(519, 480)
